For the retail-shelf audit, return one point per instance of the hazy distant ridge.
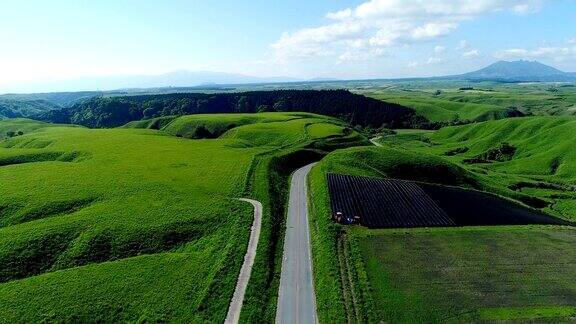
(520, 71)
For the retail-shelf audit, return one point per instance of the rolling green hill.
(540, 161)
(21, 126)
(460, 274)
(138, 225)
(355, 109)
(442, 110)
(448, 102)
(543, 144)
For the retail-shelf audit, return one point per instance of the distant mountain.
(519, 71)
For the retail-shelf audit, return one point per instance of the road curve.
(375, 140)
(296, 298)
(238, 298)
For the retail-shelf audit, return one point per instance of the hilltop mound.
(399, 164)
(543, 145)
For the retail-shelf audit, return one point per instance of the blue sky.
(57, 39)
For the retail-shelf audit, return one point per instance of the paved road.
(296, 298)
(375, 140)
(238, 298)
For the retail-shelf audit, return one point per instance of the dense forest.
(355, 109)
(24, 108)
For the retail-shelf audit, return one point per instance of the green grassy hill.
(442, 110)
(214, 125)
(543, 144)
(540, 161)
(15, 126)
(450, 101)
(137, 225)
(454, 274)
(104, 112)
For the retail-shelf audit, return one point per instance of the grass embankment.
(133, 225)
(462, 274)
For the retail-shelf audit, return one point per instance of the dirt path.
(238, 298)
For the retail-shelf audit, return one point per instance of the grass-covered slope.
(399, 164)
(137, 226)
(214, 125)
(529, 159)
(355, 109)
(454, 274)
(20, 126)
(134, 225)
(544, 145)
(442, 110)
(453, 101)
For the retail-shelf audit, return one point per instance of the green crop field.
(138, 225)
(454, 274)
(470, 274)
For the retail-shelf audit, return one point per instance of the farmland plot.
(385, 202)
(473, 274)
(389, 203)
(469, 207)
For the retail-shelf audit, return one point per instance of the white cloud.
(435, 60)
(439, 49)
(527, 8)
(388, 23)
(413, 65)
(433, 30)
(361, 55)
(551, 53)
(340, 15)
(572, 41)
(463, 45)
(471, 54)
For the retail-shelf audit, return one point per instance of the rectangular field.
(384, 202)
(471, 275)
(391, 203)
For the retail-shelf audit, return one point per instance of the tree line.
(355, 109)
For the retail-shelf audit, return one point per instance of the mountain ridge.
(518, 71)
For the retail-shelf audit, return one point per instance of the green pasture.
(136, 224)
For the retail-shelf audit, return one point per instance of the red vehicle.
(346, 220)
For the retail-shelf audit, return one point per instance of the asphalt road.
(237, 300)
(296, 297)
